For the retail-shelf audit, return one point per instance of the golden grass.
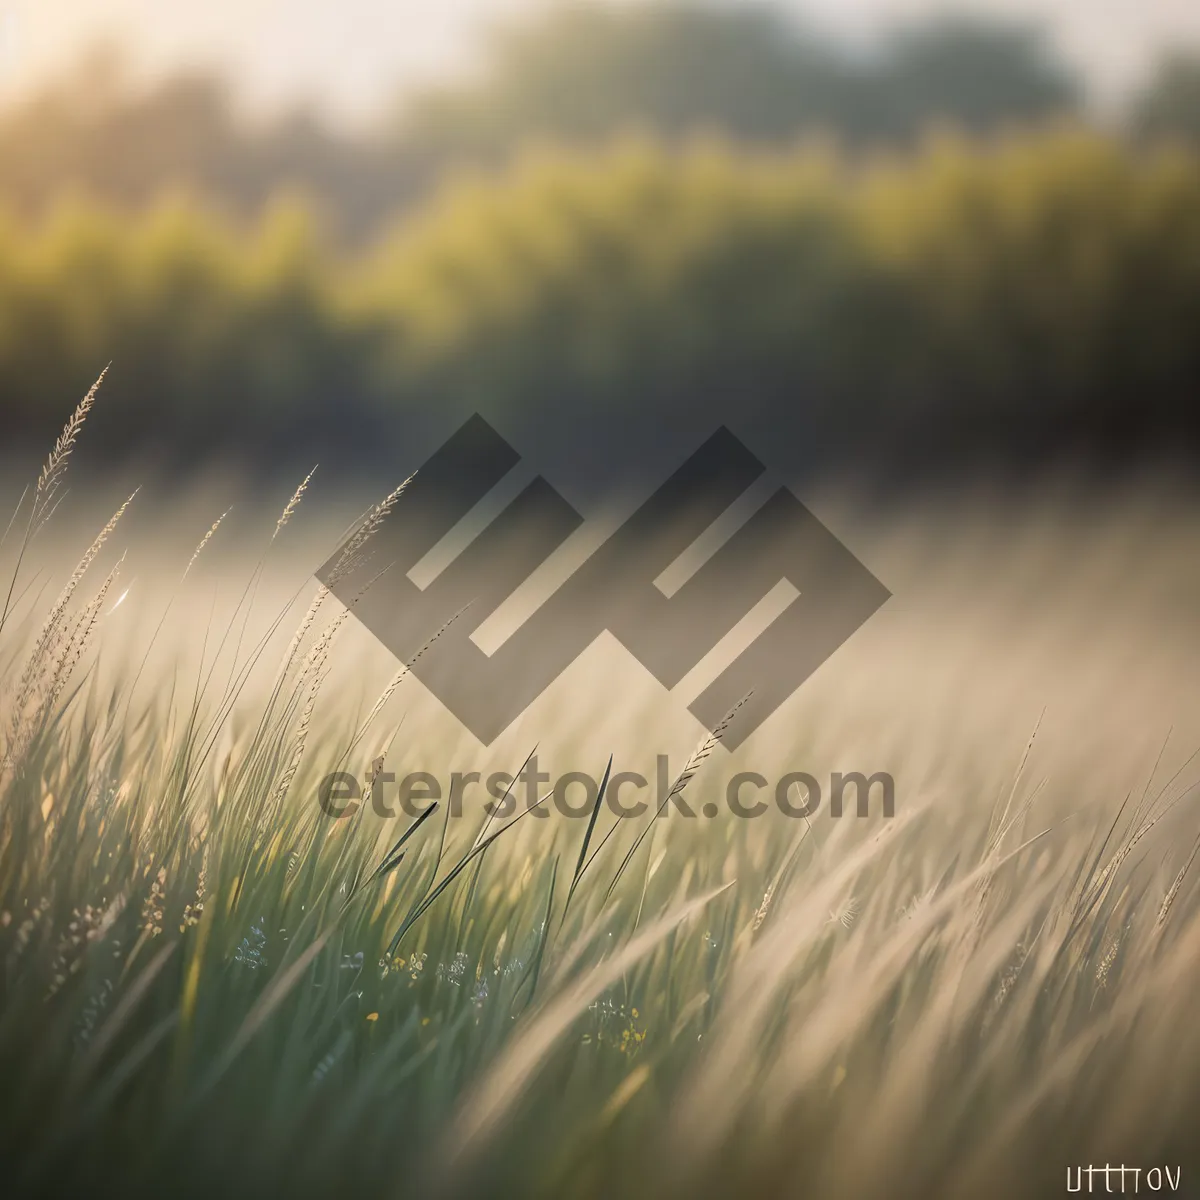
(205, 980)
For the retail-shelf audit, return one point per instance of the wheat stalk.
(293, 503)
(1169, 899)
(376, 517)
(56, 463)
(80, 635)
(703, 750)
(50, 637)
(204, 542)
(399, 677)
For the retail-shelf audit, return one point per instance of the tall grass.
(205, 982)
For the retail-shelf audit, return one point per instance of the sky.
(352, 57)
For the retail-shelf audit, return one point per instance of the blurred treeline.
(578, 73)
(1043, 291)
(788, 231)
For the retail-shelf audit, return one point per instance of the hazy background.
(939, 269)
(354, 57)
(880, 238)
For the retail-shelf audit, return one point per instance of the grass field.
(208, 985)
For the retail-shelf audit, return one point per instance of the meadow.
(206, 983)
